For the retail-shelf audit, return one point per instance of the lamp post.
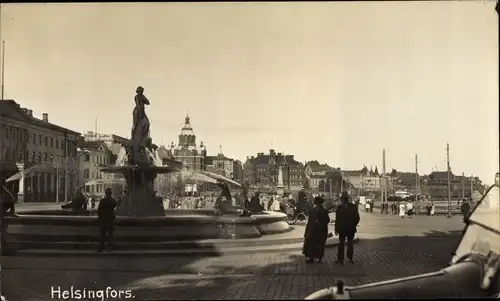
(449, 179)
(56, 165)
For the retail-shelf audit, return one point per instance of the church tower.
(187, 138)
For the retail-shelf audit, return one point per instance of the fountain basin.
(52, 229)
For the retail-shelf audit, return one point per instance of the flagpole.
(3, 68)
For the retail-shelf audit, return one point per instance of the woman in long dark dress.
(316, 232)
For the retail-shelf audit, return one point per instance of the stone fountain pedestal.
(141, 199)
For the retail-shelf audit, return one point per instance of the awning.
(37, 168)
(199, 177)
(219, 177)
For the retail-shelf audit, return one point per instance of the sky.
(336, 82)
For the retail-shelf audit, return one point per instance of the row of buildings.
(54, 160)
(369, 181)
(69, 159)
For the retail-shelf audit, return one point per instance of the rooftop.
(11, 109)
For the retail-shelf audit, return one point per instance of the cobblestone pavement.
(390, 247)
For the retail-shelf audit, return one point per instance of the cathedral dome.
(187, 129)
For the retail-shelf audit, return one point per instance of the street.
(389, 247)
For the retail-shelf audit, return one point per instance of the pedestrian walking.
(409, 208)
(316, 232)
(106, 219)
(394, 208)
(465, 209)
(402, 209)
(346, 221)
(429, 208)
(276, 205)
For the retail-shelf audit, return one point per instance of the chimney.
(271, 152)
(45, 117)
(29, 112)
(25, 110)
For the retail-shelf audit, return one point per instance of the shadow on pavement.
(262, 276)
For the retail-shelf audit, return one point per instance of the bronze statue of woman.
(139, 110)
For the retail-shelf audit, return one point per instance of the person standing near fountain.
(224, 193)
(106, 219)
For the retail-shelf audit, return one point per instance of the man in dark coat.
(8, 206)
(255, 205)
(224, 193)
(346, 221)
(302, 205)
(106, 219)
(465, 209)
(316, 232)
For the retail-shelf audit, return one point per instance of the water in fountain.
(154, 157)
(121, 158)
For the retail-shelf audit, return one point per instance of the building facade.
(187, 152)
(364, 180)
(437, 185)
(317, 175)
(45, 152)
(261, 171)
(93, 156)
(109, 139)
(231, 168)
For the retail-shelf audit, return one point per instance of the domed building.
(186, 151)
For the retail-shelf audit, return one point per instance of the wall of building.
(27, 141)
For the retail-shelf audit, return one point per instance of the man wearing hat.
(346, 221)
(106, 219)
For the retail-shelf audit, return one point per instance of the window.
(21, 155)
(46, 141)
(57, 144)
(86, 157)
(39, 158)
(45, 157)
(86, 173)
(51, 142)
(32, 158)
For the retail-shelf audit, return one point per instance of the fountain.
(142, 222)
(139, 169)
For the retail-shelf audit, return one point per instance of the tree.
(179, 184)
(335, 178)
(164, 184)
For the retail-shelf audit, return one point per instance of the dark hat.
(108, 191)
(319, 200)
(345, 195)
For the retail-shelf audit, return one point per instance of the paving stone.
(389, 247)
